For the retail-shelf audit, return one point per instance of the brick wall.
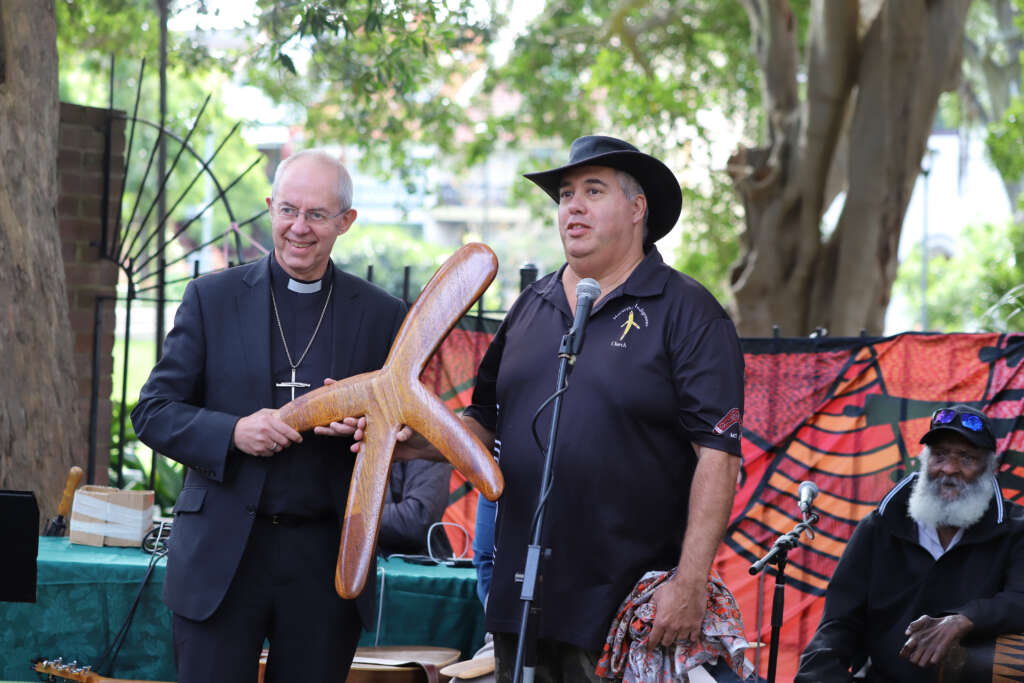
(91, 278)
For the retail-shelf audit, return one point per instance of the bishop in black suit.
(257, 524)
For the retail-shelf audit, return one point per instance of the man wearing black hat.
(648, 447)
(939, 562)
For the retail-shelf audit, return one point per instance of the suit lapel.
(347, 315)
(252, 305)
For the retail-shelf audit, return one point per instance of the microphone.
(806, 494)
(587, 292)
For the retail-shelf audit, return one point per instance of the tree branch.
(773, 38)
(832, 59)
(773, 30)
(618, 26)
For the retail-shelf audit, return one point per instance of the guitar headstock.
(69, 671)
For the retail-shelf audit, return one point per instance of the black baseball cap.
(968, 422)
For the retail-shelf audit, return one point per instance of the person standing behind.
(414, 501)
(257, 524)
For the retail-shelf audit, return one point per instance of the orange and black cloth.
(625, 654)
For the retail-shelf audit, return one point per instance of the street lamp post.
(926, 169)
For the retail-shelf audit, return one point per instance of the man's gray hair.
(631, 188)
(344, 189)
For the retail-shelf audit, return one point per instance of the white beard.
(927, 505)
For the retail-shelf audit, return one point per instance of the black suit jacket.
(215, 369)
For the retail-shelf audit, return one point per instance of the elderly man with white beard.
(940, 562)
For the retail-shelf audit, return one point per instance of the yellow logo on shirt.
(628, 325)
(633, 317)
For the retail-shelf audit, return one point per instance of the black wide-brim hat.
(664, 198)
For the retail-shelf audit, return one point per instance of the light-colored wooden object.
(470, 668)
(58, 525)
(72, 482)
(71, 671)
(394, 396)
(400, 664)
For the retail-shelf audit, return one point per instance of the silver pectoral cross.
(292, 385)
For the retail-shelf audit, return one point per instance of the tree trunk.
(38, 417)
(886, 62)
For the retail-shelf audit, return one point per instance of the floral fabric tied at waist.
(625, 654)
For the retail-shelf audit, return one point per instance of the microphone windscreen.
(588, 287)
(808, 488)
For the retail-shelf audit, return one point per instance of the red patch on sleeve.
(731, 418)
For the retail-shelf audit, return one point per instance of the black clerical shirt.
(298, 480)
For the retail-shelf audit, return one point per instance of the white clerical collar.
(304, 287)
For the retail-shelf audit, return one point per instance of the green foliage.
(978, 289)
(88, 32)
(130, 439)
(130, 29)
(709, 237)
(381, 76)
(1007, 313)
(668, 77)
(990, 93)
(646, 69)
(537, 243)
(388, 248)
(1005, 140)
(141, 356)
(192, 75)
(137, 463)
(389, 78)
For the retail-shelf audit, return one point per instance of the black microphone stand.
(526, 648)
(778, 555)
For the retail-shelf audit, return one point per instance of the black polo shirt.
(661, 367)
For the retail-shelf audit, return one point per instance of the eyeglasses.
(313, 216)
(945, 416)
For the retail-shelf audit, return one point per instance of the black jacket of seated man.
(895, 572)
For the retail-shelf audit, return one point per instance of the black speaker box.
(19, 543)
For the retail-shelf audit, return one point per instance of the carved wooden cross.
(394, 396)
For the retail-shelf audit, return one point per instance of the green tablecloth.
(84, 593)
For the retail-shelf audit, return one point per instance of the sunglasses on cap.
(946, 416)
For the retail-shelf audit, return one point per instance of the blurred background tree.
(401, 83)
(978, 287)
(769, 111)
(990, 96)
(980, 283)
(380, 76)
(842, 94)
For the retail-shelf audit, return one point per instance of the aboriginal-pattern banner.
(450, 375)
(845, 413)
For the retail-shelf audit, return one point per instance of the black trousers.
(283, 592)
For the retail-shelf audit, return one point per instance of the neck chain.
(280, 328)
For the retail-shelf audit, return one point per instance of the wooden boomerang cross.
(393, 396)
